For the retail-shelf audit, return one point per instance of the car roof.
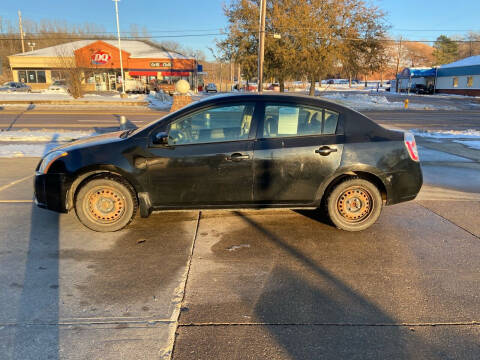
(271, 97)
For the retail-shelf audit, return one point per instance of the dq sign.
(100, 58)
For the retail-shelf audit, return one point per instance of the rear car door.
(208, 159)
(298, 148)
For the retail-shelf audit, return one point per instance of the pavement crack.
(168, 350)
(406, 324)
(450, 221)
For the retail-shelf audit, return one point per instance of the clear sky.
(166, 20)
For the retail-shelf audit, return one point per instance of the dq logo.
(100, 58)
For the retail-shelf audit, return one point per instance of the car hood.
(92, 141)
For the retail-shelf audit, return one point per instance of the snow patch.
(472, 144)
(159, 100)
(43, 135)
(36, 143)
(26, 150)
(446, 134)
(378, 102)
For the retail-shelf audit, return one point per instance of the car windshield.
(59, 82)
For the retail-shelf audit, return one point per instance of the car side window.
(217, 124)
(284, 120)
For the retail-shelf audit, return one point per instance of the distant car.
(421, 89)
(59, 86)
(236, 152)
(211, 88)
(274, 87)
(330, 81)
(13, 86)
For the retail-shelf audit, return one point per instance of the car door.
(298, 148)
(208, 160)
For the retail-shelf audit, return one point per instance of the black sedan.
(236, 151)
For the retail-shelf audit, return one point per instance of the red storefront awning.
(175, 73)
(143, 73)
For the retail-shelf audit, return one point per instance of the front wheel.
(354, 204)
(105, 204)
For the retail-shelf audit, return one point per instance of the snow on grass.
(43, 135)
(159, 101)
(36, 143)
(26, 150)
(472, 144)
(448, 134)
(378, 102)
(55, 95)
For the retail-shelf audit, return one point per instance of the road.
(102, 118)
(20, 118)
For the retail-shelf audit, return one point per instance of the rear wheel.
(105, 204)
(354, 204)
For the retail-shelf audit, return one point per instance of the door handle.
(238, 157)
(325, 150)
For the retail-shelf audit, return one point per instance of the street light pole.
(261, 45)
(120, 47)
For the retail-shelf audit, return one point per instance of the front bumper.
(51, 192)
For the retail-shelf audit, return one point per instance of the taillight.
(411, 146)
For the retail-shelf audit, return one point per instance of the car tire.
(106, 203)
(354, 204)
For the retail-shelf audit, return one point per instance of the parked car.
(236, 151)
(13, 86)
(59, 86)
(274, 87)
(421, 89)
(211, 88)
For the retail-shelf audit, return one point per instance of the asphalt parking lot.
(241, 285)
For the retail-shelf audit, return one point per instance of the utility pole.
(261, 47)
(21, 30)
(120, 47)
(231, 75)
(398, 63)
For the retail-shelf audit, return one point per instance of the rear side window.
(284, 120)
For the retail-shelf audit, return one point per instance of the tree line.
(314, 39)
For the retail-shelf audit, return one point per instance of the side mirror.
(161, 138)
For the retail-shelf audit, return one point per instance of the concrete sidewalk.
(238, 285)
(69, 293)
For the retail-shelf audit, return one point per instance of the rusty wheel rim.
(104, 204)
(355, 204)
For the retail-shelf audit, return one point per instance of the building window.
(469, 81)
(22, 76)
(455, 82)
(32, 76)
(56, 75)
(41, 78)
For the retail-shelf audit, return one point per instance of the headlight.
(49, 159)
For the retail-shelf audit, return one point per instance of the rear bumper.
(51, 192)
(404, 185)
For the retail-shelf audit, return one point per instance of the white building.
(461, 77)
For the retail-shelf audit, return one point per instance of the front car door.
(208, 160)
(298, 148)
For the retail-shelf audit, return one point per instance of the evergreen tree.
(445, 50)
